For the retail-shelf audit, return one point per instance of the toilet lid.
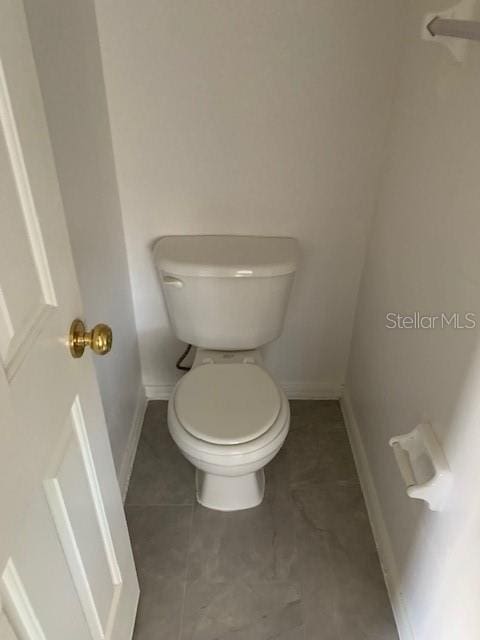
(227, 403)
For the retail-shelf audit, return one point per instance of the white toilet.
(227, 296)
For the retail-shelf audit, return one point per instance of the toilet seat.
(227, 404)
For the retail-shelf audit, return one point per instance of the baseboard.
(132, 443)
(158, 391)
(380, 531)
(294, 391)
(311, 391)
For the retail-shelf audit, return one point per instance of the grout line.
(182, 610)
(297, 572)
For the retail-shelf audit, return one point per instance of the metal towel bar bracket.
(453, 28)
(467, 29)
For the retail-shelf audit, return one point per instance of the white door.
(66, 567)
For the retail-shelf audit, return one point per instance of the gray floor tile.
(320, 412)
(161, 475)
(160, 537)
(342, 583)
(160, 608)
(242, 610)
(320, 453)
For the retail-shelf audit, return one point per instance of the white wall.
(424, 256)
(65, 43)
(252, 118)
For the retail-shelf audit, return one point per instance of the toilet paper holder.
(423, 466)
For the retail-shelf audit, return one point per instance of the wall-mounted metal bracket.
(453, 28)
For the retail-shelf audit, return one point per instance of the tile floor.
(301, 566)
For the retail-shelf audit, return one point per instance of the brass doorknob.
(99, 339)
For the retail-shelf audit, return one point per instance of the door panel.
(76, 504)
(23, 257)
(38, 594)
(19, 610)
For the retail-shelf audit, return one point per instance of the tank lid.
(226, 256)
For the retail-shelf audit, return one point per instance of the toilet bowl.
(229, 420)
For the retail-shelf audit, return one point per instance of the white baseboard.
(311, 391)
(380, 532)
(294, 391)
(132, 444)
(158, 391)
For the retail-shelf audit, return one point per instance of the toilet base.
(230, 493)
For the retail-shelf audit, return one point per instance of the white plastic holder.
(423, 466)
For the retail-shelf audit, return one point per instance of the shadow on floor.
(301, 566)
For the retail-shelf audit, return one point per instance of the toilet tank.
(226, 292)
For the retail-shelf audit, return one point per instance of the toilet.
(227, 296)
